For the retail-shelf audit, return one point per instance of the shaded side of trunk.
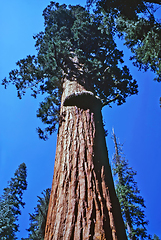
(83, 203)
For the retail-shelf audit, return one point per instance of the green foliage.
(127, 9)
(137, 23)
(155, 237)
(38, 218)
(10, 203)
(132, 204)
(72, 33)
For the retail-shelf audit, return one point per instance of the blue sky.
(137, 123)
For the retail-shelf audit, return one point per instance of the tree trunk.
(83, 203)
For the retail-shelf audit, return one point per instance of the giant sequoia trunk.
(83, 203)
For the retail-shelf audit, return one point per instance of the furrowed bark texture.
(83, 204)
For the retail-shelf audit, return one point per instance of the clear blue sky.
(137, 123)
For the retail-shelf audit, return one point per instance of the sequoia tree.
(79, 70)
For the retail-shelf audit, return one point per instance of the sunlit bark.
(83, 204)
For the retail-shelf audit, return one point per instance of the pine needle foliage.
(10, 204)
(72, 32)
(138, 23)
(38, 218)
(132, 204)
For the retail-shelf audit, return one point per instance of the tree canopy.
(138, 24)
(75, 44)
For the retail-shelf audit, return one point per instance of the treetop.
(72, 32)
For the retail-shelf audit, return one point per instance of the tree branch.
(111, 100)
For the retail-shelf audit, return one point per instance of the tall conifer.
(38, 218)
(11, 203)
(132, 204)
(79, 70)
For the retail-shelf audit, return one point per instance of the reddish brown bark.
(83, 204)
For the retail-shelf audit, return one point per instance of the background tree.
(132, 204)
(10, 203)
(79, 69)
(155, 237)
(138, 24)
(38, 218)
